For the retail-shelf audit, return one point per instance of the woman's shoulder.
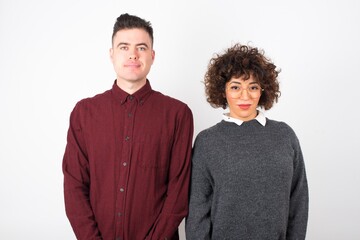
(209, 133)
(278, 124)
(217, 128)
(281, 127)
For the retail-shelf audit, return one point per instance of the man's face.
(132, 56)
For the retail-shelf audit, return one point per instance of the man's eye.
(123, 48)
(142, 48)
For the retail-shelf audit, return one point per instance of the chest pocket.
(154, 151)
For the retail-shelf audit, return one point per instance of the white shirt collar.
(260, 118)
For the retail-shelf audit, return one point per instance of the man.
(127, 161)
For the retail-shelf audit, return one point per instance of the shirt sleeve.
(77, 182)
(299, 198)
(176, 203)
(198, 222)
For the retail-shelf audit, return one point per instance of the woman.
(248, 176)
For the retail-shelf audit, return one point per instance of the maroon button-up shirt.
(127, 165)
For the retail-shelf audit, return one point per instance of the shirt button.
(129, 115)
(122, 190)
(119, 214)
(131, 97)
(127, 138)
(118, 238)
(124, 164)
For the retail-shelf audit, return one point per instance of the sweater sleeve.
(77, 182)
(198, 223)
(299, 198)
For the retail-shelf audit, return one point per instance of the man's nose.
(133, 54)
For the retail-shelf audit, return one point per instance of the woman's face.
(243, 97)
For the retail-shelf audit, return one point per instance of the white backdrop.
(54, 53)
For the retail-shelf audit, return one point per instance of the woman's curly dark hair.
(241, 61)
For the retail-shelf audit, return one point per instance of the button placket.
(128, 116)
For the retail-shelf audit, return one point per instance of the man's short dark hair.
(127, 21)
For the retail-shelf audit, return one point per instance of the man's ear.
(111, 53)
(153, 55)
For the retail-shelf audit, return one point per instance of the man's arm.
(77, 182)
(176, 204)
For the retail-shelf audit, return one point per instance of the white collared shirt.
(260, 118)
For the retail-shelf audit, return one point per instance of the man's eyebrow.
(142, 44)
(127, 44)
(123, 43)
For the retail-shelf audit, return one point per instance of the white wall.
(54, 53)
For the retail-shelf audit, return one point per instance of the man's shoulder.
(169, 101)
(96, 99)
(95, 102)
(167, 98)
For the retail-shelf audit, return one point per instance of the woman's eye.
(254, 88)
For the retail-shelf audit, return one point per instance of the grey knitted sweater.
(248, 182)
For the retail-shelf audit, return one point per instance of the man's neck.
(130, 87)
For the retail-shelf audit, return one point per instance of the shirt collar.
(260, 118)
(141, 94)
